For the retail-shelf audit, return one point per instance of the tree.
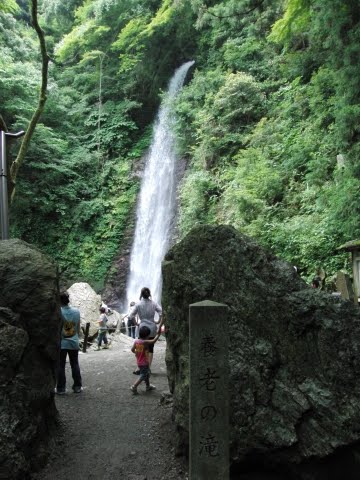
(41, 103)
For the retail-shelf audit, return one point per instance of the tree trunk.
(41, 103)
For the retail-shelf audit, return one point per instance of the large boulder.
(294, 357)
(30, 334)
(84, 297)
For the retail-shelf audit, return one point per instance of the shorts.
(144, 372)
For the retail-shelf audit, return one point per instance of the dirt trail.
(108, 433)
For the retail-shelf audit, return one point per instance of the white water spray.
(156, 206)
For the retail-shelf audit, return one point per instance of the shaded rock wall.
(294, 354)
(30, 334)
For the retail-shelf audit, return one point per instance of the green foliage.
(252, 55)
(294, 22)
(226, 104)
(58, 16)
(94, 223)
(74, 44)
(250, 187)
(144, 52)
(269, 131)
(99, 227)
(76, 190)
(116, 126)
(198, 199)
(19, 74)
(129, 42)
(272, 106)
(8, 6)
(239, 101)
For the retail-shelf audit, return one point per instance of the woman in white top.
(146, 310)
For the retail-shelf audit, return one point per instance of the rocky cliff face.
(30, 333)
(294, 356)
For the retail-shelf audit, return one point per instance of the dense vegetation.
(269, 121)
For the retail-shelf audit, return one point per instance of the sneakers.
(148, 388)
(59, 392)
(97, 349)
(134, 390)
(106, 346)
(77, 389)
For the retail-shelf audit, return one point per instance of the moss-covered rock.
(294, 352)
(30, 334)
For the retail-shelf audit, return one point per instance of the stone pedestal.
(209, 392)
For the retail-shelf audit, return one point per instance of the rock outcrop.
(83, 297)
(88, 302)
(30, 334)
(294, 356)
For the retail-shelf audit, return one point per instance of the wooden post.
(209, 391)
(87, 328)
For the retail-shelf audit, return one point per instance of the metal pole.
(4, 205)
(4, 216)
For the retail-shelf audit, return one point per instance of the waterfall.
(157, 200)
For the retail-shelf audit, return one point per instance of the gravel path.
(108, 433)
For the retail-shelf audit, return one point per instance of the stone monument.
(209, 392)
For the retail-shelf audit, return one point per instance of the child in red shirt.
(141, 350)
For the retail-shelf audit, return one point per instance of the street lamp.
(4, 205)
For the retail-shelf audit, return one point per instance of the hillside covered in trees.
(269, 122)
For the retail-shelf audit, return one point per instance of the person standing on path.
(141, 349)
(102, 329)
(131, 322)
(146, 309)
(69, 346)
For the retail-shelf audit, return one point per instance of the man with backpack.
(69, 346)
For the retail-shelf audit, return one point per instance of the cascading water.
(156, 206)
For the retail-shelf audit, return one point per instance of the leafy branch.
(205, 9)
